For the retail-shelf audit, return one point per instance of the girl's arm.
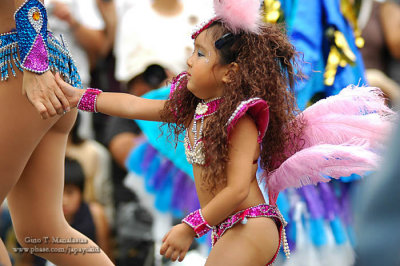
(117, 104)
(243, 150)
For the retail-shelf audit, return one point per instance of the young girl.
(235, 86)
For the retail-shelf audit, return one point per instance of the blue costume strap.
(31, 22)
(9, 54)
(60, 59)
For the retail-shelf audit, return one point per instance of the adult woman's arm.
(38, 82)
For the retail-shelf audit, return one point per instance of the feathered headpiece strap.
(236, 15)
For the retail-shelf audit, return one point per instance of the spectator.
(96, 164)
(380, 23)
(145, 24)
(86, 217)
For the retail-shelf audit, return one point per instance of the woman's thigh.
(21, 130)
(254, 243)
(35, 202)
(37, 196)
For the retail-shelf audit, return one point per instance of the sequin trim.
(88, 101)
(203, 26)
(240, 109)
(60, 59)
(9, 55)
(261, 210)
(197, 222)
(31, 22)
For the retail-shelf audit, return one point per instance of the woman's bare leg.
(4, 258)
(37, 198)
(254, 243)
(20, 132)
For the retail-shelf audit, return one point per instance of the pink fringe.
(239, 14)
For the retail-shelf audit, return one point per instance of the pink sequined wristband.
(197, 222)
(88, 100)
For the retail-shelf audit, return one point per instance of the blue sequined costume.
(60, 60)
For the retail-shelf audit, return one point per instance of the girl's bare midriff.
(205, 195)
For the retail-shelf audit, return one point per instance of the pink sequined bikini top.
(257, 108)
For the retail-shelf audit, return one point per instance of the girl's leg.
(36, 203)
(254, 243)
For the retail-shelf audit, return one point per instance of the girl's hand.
(44, 94)
(177, 242)
(72, 94)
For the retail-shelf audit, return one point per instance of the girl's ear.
(231, 69)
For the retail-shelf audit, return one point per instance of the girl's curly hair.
(267, 69)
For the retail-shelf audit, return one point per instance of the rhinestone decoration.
(31, 23)
(60, 60)
(35, 18)
(9, 55)
(261, 210)
(88, 100)
(202, 27)
(240, 109)
(201, 109)
(195, 154)
(197, 222)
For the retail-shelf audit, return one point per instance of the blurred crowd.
(136, 46)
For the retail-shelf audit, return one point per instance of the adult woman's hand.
(44, 94)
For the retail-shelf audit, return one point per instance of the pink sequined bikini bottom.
(262, 210)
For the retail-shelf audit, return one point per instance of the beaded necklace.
(195, 154)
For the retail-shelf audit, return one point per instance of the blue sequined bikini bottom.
(60, 59)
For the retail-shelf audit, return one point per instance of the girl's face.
(72, 199)
(204, 71)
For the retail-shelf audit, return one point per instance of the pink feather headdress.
(236, 15)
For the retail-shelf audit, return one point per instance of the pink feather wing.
(352, 100)
(313, 165)
(338, 129)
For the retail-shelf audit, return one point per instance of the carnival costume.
(359, 113)
(32, 47)
(343, 135)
